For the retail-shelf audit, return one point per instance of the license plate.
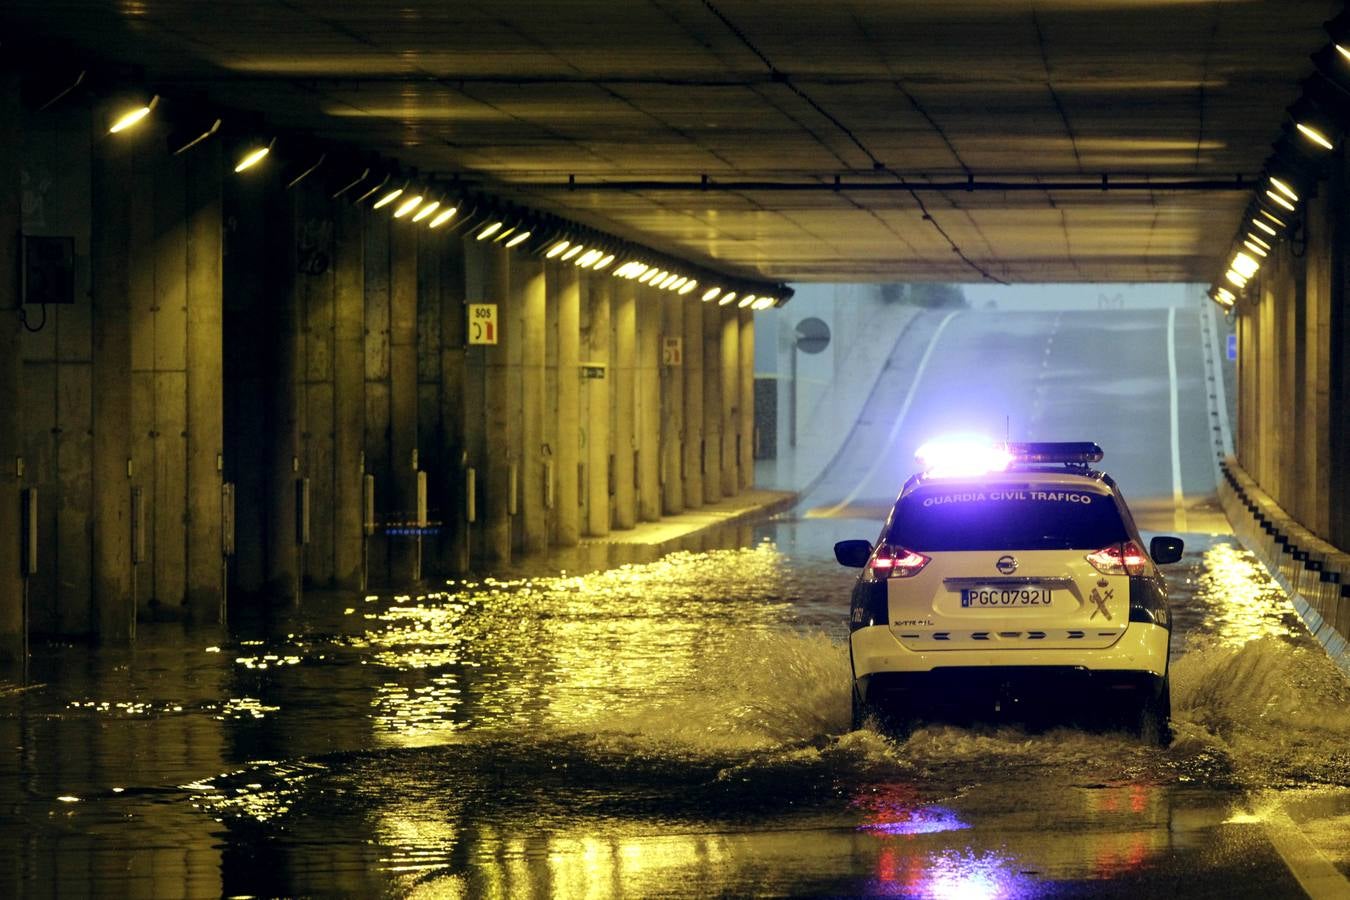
(1004, 598)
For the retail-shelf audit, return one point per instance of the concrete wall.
(229, 332)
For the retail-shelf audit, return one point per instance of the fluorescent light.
(1235, 278)
(746, 301)
(588, 257)
(442, 217)
(1283, 188)
(648, 275)
(572, 251)
(132, 116)
(408, 206)
(727, 298)
(668, 281)
(490, 230)
(1225, 295)
(1264, 227)
(556, 249)
(1272, 217)
(427, 210)
(711, 294)
(388, 198)
(1315, 136)
(1256, 240)
(523, 236)
(1245, 265)
(1280, 199)
(252, 158)
(603, 264)
(1252, 247)
(688, 287)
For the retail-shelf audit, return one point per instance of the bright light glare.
(1343, 51)
(556, 249)
(1272, 217)
(427, 210)
(1283, 188)
(1245, 265)
(572, 251)
(523, 236)
(1264, 227)
(252, 159)
(388, 198)
(408, 206)
(1280, 199)
(442, 217)
(746, 301)
(1225, 296)
(1235, 278)
(1315, 136)
(727, 298)
(688, 287)
(1255, 249)
(489, 231)
(955, 457)
(711, 294)
(127, 119)
(1256, 240)
(763, 303)
(604, 263)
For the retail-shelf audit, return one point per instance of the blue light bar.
(1074, 452)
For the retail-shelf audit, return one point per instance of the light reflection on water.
(676, 726)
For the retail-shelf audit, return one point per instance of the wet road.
(671, 727)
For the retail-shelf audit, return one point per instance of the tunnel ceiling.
(520, 96)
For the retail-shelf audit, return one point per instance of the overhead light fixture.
(442, 217)
(572, 252)
(1245, 265)
(688, 287)
(426, 210)
(190, 130)
(711, 294)
(1284, 188)
(302, 163)
(746, 301)
(1224, 295)
(1256, 240)
(1281, 200)
(727, 298)
(255, 154)
(388, 197)
(587, 258)
(1236, 278)
(520, 238)
(557, 249)
(131, 115)
(649, 275)
(763, 303)
(1315, 135)
(1276, 220)
(603, 263)
(489, 229)
(667, 281)
(679, 282)
(408, 205)
(1264, 227)
(1254, 248)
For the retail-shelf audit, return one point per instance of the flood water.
(673, 727)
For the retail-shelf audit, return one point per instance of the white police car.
(1011, 578)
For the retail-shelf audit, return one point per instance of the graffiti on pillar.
(311, 251)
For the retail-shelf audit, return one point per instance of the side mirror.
(853, 554)
(1165, 549)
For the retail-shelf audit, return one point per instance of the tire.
(860, 711)
(1152, 721)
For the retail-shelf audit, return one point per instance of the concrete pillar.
(672, 406)
(731, 401)
(495, 469)
(693, 403)
(648, 312)
(598, 291)
(713, 414)
(527, 275)
(205, 375)
(405, 563)
(110, 261)
(625, 393)
(12, 624)
(349, 396)
(746, 358)
(283, 422)
(567, 452)
(431, 458)
(454, 320)
(1317, 372)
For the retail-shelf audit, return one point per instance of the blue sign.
(1232, 346)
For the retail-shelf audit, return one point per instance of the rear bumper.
(1141, 649)
(1067, 693)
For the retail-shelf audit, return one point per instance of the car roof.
(1050, 476)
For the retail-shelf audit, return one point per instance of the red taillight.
(1120, 559)
(897, 562)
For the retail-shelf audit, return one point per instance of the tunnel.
(397, 400)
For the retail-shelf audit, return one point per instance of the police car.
(1008, 579)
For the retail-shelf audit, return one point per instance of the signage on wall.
(482, 323)
(672, 351)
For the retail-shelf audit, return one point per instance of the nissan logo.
(1006, 564)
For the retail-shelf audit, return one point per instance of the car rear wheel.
(1154, 714)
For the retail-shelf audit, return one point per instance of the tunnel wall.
(1292, 435)
(237, 343)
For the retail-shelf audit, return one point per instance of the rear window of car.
(1005, 517)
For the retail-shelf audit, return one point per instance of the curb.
(1315, 574)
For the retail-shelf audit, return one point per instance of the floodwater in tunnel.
(676, 726)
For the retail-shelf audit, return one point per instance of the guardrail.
(1314, 573)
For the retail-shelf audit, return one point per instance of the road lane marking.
(1178, 498)
(884, 455)
(1313, 871)
(1220, 392)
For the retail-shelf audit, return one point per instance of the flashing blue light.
(955, 457)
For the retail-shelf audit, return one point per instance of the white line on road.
(884, 455)
(1178, 498)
